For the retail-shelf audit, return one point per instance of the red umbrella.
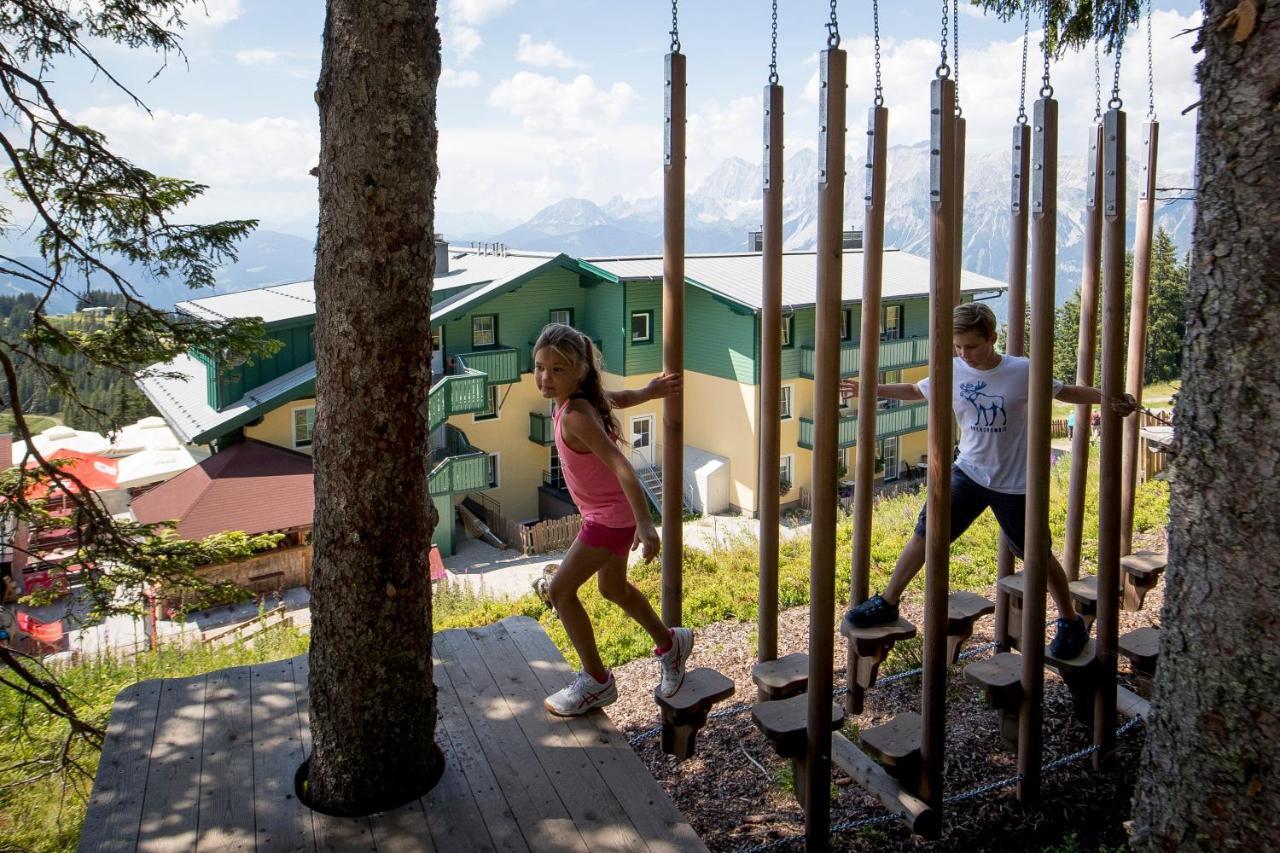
(98, 473)
(49, 633)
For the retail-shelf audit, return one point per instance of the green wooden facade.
(297, 348)
(889, 423)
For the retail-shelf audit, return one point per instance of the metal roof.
(739, 277)
(284, 302)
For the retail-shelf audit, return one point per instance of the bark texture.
(1210, 778)
(373, 703)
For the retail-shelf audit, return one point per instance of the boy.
(990, 402)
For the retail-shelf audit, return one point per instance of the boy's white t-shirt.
(991, 408)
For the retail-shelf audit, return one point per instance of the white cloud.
(476, 12)
(545, 102)
(464, 40)
(453, 79)
(543, 55)
(211, 13)
(257, 56)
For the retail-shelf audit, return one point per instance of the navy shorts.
(969, 499)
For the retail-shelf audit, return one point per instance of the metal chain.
(1097, 83)
(1022, 88)
(943, 69)
(675, 26)
(955, 50)
(1115, 103)
(1151, 74)
(1046, 89)
(773, 51)
(833, 28)
(875, 27)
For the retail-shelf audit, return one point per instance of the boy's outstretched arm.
(663, 385)
(1078, 394)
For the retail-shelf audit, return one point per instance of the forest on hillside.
(104, 397)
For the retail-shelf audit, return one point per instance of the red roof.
(250, 486)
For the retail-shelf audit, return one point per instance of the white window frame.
(495, 412)
(787, 403)
(494, 460)
(566, 311)
(846, 325)
(647, 338)
(493, 331)
(900, 330)
(293, 425)
(897, 457)
(788, 322)
(787, 463)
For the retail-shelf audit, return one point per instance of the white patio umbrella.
(154, 465)
(62, 437)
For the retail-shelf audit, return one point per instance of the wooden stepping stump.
(1140, 572)
(782, 678)
(896, 745)
(1001, 676)
(785, 724)
(1084, 597)
(872, 646)
(1080, 674)
(1012, 584)
(1142, 647)
(686, 712)
(963, 609)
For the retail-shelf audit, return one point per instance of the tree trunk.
(1210, 778)
(373, 703)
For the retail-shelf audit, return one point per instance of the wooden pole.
(826, 413)
(1138, 326)
(673, 342)
(770, 378)
(869, 374)
(1015, 335)
(1036, 554)
(957, 239)
(1086, 354)
(1109, 455)
(933, 702)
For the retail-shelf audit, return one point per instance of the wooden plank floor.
(207, 763)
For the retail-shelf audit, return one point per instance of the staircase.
(650, 476)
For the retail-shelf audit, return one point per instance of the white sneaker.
(581, 696)
(673, 661)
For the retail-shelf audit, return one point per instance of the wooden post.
(770, 378)
(673, 342)
(933, 703)
(1086, 353)
(957, 233)
(826, 408)
(869, 375)
(1015, 336)
(1138, 326)
(1036, 554)
(1109, 498)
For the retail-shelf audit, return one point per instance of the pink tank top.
(592, 484)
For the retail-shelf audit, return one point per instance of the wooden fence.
(553, 535)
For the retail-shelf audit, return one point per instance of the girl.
(615, 515)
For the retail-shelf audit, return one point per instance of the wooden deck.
(207, 763)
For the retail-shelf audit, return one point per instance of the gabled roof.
(739, 277)
(251, 486)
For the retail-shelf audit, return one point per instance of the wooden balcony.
(501, 366)
(889, 423)
(541, 429)
(894, 355)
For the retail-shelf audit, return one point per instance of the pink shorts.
(615, 540)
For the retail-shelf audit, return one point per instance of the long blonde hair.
(580, 351)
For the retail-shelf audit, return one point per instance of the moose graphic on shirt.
(986, 405)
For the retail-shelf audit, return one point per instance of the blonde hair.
(579, 350)
(975, 317)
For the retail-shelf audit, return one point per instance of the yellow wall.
(277, 426)
(520, 461)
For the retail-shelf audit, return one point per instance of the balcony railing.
(459, 466)
(456, 394)
(889, 422)
(541, 429)
(501, 366)
(894, 355)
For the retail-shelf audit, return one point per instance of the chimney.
(755, 241)
(442, 255)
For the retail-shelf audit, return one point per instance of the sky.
(541, 100)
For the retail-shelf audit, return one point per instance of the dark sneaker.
(1070, 640)
(874, 611)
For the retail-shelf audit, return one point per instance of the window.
(846, 324)
(788, 330)
(304, 424)
(887, 452)
(563, 316)
(784, 401)
(437, 339)
(887, 377)
(891, 323)
(641, 327)
(786, 474)
(555, 476)
(491, 410)
(484, 330)
(494, 470)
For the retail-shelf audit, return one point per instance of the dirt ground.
(737, 793)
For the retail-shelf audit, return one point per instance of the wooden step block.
(1001, 676)
(1013, 586)
(963, 609)
(870, 647)
(686, 712)
(1142, 647)
(1140, 572)
(782, 678)
(1080, 674)
(896, 745)
(1144, 563)
(1084, 597)
(785, 723)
